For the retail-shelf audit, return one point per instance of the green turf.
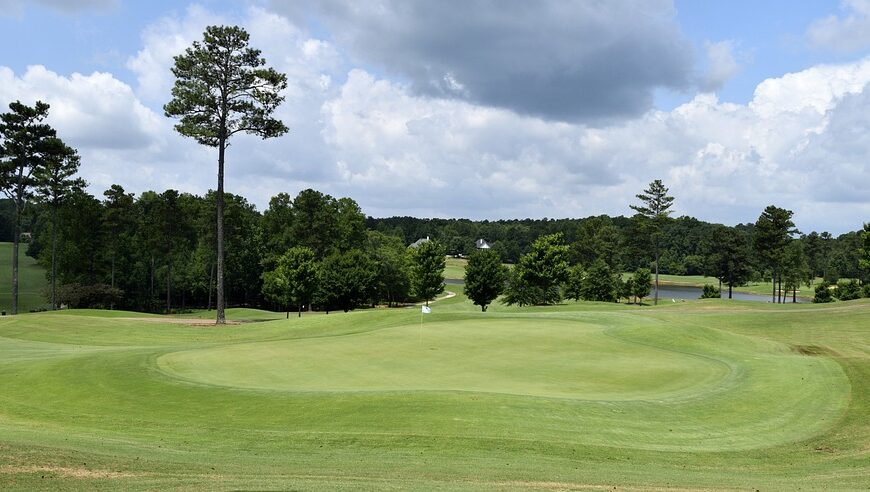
(454, 268)
(31, 281)
(580, 395)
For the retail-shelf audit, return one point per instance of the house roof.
(418, 242)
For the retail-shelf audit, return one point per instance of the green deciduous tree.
(294, 279)
(344, 280)
(574, 283)
(864, 250)
(392, 283)
(641, 284)
(539, 274)
(427, 263)
(653, 212)
(222, 89)
(599, 283)
(485, 277)
(23, 147)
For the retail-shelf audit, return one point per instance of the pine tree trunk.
(169, 288)
(730, 283)
(781, 299)
(15, 262)
(656, 301)
(219, 198)
(300, 310)
(54, 258)
(112, 304)
(210, 285)
(773, 281)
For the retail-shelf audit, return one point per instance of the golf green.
(550, 358)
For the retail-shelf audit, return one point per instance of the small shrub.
(98, 296)
(848, 290)
(710, 292)
(823, 293)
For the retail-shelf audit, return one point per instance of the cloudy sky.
(484, 109)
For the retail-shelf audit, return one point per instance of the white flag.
(427, 310)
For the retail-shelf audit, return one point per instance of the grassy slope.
(695, 395)
(31, 281)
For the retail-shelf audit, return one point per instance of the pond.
(679, 292)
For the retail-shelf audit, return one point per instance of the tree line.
(160, 250)
(155, 252)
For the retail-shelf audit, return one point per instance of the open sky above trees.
(440, 109)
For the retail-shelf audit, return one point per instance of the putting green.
(541, 357)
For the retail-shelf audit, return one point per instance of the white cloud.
(399, 153)
(847, 33)
(799, 143)
(92, 111)
(15, 7)
(162, 41)
(722, 65)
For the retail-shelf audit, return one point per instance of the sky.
(488, 109)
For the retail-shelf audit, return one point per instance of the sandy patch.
(181, 321)
(67, 472)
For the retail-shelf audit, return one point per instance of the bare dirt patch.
(67, 472)
(812, 350)
(181, 321)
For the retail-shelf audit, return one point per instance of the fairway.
(31, 277)
(697, 395)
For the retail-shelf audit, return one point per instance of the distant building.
(481, 244)
(419, 242)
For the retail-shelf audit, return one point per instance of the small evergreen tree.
(710, 292)
(823, 293)
(653, 212)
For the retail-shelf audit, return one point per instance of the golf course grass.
(696, 395)
(32, 282)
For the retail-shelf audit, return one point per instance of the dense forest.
(155, 252)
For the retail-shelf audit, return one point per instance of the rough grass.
(697, 395)
(31, 281)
